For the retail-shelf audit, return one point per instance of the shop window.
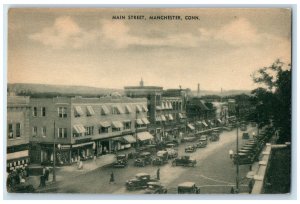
(34, 131)
(18, 130)
(43, 111)
(34, 112)
(114, 110)
(10, 132)
(62, 112)
(62, 132)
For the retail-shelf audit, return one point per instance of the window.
(34, 131)
(62, 132)
(89, 130)
(44, 131)
(103, 130)
(127, 125)
(62, 112)
(43, 111)
(18, 130)
(114, 110)
(10, 132)
(34, 112)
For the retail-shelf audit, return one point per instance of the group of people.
(15, 177)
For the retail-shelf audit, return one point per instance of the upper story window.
(10, 131)
(144, 107)
(104, 127)
(104, 110)
(18, 130)
(34, 131)
(89, 130)
(43, 111)
(127, 125)
(78, 111)
(62, 112)
(114, 110)
(128, 109)
(44, 131)
(34, 112)
(138, 109)
(62, 132)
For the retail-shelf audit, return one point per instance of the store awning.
(128, 109)
(163, 118)
(144, 136)
(82, 144)
(198, 123)
(129, 138)
(145, 109)
(105, 109)
(167, 105)
(138, 108)
(191, 126)
(105, 124)
(158, 107)
(180, 115)
(170, 105)
(171, 117)
(219, 120)
(145, 121)
(90, 110)
(158, 118)
(139, 121)
(204, 123)
(79, 128)
(117, 124)
(78, 110)
(16, 155)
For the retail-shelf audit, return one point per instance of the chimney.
(198, 90)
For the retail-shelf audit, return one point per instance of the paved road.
(214, 172)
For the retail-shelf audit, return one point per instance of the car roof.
(186, 184)
(154, 183)
(145, 153)
(118, 155)
(141, 174)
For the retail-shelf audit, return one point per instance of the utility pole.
(237, 150)
(54, 155)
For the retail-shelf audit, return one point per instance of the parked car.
(155, 188)
(190, 148)
(246, 136)
(202, 142)
(161, 158)
(139, 182)
(243, 159)
(121, 161)
(172, 153)
(184, 161)
(243, 127)
(214, 137)
(189, 139)
(188, 188)
(143, 159)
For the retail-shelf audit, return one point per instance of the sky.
(221, 49)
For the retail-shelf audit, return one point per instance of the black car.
(184, 161)
(155, 188)
(139, 182)
(121, 161)
(143, 159)
(188, 188)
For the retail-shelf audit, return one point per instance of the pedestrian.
(112, 178)
(158, 174)
(250, 167)
(47, 172)
(231, 153)
(232, 190)
(250, 185)
(42, 181)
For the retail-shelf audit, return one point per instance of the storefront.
(82, 151)
(16, 160)
(145, 138)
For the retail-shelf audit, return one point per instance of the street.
(214, 172)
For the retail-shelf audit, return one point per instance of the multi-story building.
(85, 127)
(166, 110)
(18, 110)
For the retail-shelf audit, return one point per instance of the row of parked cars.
(154, 186)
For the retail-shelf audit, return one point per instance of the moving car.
(139, 182)
(161, 158)
(202, 142)
(121, 161)
(172, 153)
(188, 188)
(155, 188)
(190, 148)
(184, 161)
(143, 159)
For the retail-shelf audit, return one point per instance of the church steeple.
(141, 82)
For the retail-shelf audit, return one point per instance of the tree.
(273, 98)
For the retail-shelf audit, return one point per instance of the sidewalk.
(70, 172)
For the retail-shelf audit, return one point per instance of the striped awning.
(204, 123)
(163, 118)
(90, 110)
(144, 136)
(78, 110)
(180, 115)
(128, 109)
(158, 118)
(79, 128)
(120, 109)
(138, 108)
(171, 117)
(145, 109)
(117, 124)
(170, 105)
(129, 138)
(139, 121)
(105, 110)
(105, 124)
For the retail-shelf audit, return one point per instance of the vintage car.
(202, 142)
(143, 159)
(172, 153)
(214, 136)
(188, 188)
(155, 188)
(189, 139)
(121, 161)
(243, 158)
(243, 127)
(245, 136)
(184, 161)
(139, 182)
(161, 158)
(190, 148)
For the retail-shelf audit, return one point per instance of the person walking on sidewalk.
(112, 178)
(158, 174)
(231, 153)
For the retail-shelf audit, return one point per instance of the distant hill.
(60, 90)
(224, 92)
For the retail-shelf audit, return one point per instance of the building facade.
(18, 110)
(81, 128)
